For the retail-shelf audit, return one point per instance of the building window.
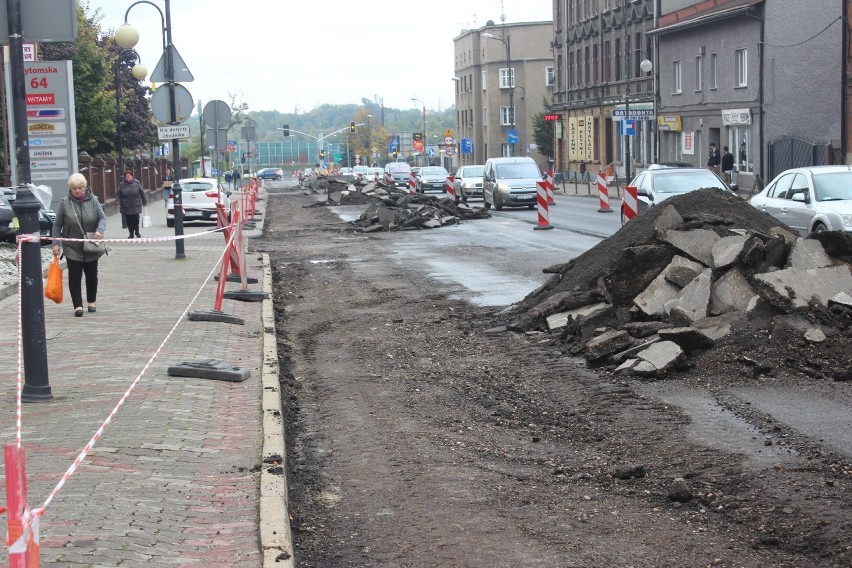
(507, 116)
(484, 82)
(485, 117)
(595, 68)
(699, 73)
(618, 59)
(677, 67)
(507, 78)
(741, 64)
(570, 70)
(607, 62)
(548, 76)
(579, 68)
(713, 71)
(587, 66)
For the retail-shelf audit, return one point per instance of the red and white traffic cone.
(603, 194)
(630, 203)
(543, 212)
(451, 189)
(550, 200)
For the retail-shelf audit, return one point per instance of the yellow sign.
(448, 132)
(670, 123)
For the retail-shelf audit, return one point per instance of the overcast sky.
(293, 56)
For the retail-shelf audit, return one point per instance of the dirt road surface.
(418, 436)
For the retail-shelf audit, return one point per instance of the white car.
(468, 182)
(810, 199)
(199, 196)
(360, 172)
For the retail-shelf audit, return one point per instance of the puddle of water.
(713, 426)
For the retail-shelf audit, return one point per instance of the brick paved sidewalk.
(175, 479)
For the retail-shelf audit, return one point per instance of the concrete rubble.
(390, 208)
(677, 281)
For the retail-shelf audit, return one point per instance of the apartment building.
(503, 74)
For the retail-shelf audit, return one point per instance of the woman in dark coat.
(79, 213)
(131, 199)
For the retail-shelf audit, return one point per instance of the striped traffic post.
(603, 194)
(451, 188)
(550, 200)
(630, 203)
(388, 178)
(543, 212)
(412, 182)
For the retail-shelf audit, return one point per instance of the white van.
(510, 182)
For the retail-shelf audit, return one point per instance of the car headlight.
(847, 220)
(503, 187)
(468, 185)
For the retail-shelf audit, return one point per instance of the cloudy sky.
(292, 57)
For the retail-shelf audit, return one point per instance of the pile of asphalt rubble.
(390, 208)
(697, 273)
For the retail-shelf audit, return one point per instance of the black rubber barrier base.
(213, 315)
(236, 278)
(246, 295)
(209, 369)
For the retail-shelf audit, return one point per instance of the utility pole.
(625, 135)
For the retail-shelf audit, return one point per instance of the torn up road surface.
(423, 431)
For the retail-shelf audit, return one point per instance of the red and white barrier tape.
(31, 517)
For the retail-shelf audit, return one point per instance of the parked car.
(200, 196)
(270, 173)
(374, 172)
(400, 172)
(8, 228)
(810, 199)
(658, 183)
(345, 171)
(510, 182)
(432, 178)
(468, 182)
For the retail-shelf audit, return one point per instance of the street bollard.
(36, 381)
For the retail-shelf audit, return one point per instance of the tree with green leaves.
(90, 64)
(543, 131)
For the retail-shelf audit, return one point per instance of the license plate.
(193, 214)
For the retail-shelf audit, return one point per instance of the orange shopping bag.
(53, 287)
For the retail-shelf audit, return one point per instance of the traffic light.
(322, 154)
(243, 158)
(395, 154)
(286, 130)
(352, 127)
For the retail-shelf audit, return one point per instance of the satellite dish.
(490, 23)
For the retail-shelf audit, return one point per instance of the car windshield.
(196, 186)
(685, 182)
(517, 171)
(474, 171)
(434, 171)
(360, 169)
(397, 168)
(835, 186)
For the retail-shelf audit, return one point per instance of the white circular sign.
(448, 140)
(450, 150)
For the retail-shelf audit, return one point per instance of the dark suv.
(8, 232)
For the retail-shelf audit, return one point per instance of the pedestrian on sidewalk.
(236, 178)
(228, 178)
(168, 180)
(727, 165)
(131, 199)
(713, 158)
(79, 213)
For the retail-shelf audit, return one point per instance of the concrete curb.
(276, 540)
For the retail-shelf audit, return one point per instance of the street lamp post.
(126, 36)
(510, 77)
(139, 72)
(424, 127)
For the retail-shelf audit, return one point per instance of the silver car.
(810, 199)
(200, 196)
(432, 178)
(468, 182)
